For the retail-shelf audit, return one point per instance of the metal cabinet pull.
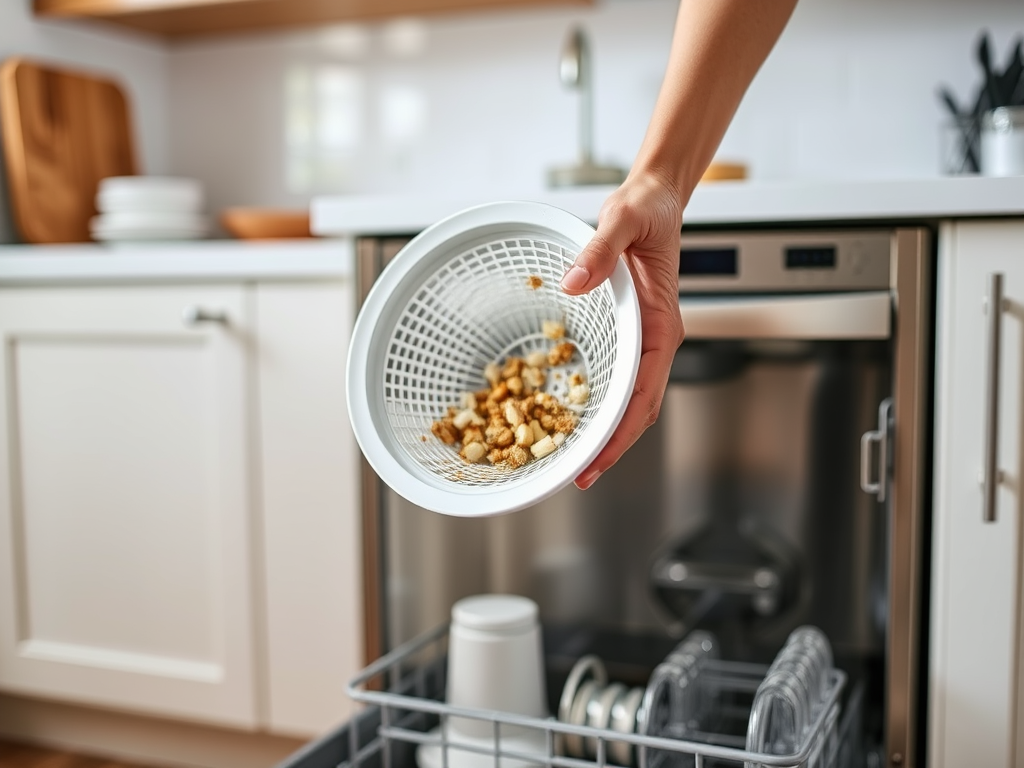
(193, 315)
(990, 470)
(879, 437)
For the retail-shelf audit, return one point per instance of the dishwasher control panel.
(784, 261)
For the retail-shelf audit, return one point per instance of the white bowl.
(162, 220)
(149, 193)
(137, 226)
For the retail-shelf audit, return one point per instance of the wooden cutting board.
(62, 132)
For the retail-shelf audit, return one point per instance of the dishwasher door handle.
(882, 438)
(865, 315)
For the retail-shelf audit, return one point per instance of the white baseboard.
(142, 740)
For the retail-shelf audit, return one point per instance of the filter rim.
(422, 256)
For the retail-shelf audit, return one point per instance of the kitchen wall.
(139, 63)
(449, 105)
(453, 105)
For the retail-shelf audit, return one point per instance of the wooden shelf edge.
(179, 19)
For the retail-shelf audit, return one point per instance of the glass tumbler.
(677, 698)
(960, 146)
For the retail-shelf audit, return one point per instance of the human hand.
(640, 221)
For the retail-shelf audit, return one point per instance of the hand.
(641, 222)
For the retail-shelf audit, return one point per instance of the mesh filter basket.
(458, 296)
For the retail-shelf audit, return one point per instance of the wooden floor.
(14, 755)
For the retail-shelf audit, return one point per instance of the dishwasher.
(782, 488)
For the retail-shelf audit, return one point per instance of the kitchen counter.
(203, 260)
(711, 204)
(342, 218)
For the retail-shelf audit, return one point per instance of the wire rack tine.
(353, 744)
(385, 721)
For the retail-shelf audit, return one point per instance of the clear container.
(959, 146)
(1002, 142)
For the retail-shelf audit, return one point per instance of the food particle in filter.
(561, 353)
(473, 452)
(579, 390)
(537, 359)
(543, 447)
(533, 282)
(514, 422)
(552, 329)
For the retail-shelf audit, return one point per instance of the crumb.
(553, 329)
(445, 431)
(499, 436)
(537, 359)
(533, 378)
(513, 368)
(516, 456)
(561, 353)
(533, 282)
(513, 422)
(578, 394)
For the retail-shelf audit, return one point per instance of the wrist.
(663, 178)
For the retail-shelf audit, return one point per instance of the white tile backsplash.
(445, 104)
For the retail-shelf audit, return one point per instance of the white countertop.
(340, 219)
(713, 203)
(216, 260)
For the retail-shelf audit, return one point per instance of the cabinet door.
(311, 533)
(124, 535)
(976, 578)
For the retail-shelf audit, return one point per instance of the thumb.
(597, 260)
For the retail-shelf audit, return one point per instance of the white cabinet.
(178, 516)
(975, 706)
(312, 537)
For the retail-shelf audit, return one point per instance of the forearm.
(717, 48)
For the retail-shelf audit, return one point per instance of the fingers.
(597, 261)
(641, 220)
(642, 412)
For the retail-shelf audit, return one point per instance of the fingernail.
(575, 279)
(585, 481)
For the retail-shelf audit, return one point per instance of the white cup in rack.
(495, 659)
(495, 663)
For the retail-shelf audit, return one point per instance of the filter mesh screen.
(478, 307)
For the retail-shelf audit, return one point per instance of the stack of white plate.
(148, 208)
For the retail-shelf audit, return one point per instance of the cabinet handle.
(193, 315)
(990, 471)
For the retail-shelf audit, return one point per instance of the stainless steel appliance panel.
(742, 509)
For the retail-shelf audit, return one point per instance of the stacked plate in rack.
(148, 208)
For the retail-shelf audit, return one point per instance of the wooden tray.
(62, 132)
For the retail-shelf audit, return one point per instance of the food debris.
(533, 282)
(560, 354)
(514, 422)
(552, 329)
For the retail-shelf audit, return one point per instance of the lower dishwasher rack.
(404, 696)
